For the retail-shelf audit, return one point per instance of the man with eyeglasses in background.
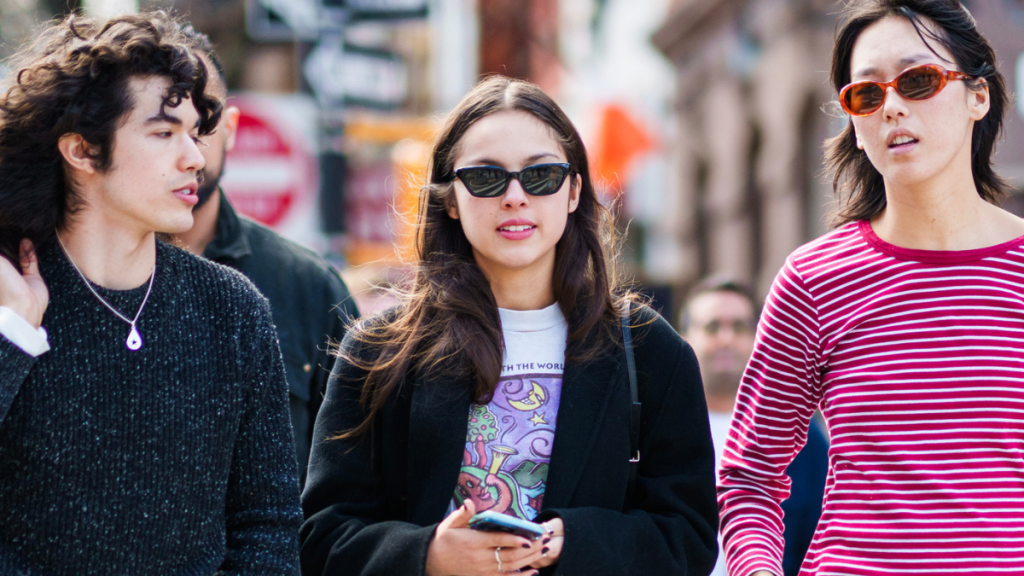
(718, 321)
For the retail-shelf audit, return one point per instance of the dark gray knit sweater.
(174, 459)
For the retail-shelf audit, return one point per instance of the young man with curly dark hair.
(144, 422)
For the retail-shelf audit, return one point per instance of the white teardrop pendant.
(134, 341)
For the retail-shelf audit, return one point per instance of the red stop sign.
(269, 172)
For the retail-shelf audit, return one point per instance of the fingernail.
(544, 550)
(546, 540)
(526, 546)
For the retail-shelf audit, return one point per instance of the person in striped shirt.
(905, 324)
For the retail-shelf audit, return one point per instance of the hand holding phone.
(489, 521)
(458, 550)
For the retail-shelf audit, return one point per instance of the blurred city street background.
(703, 118)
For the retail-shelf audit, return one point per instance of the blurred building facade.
(751, 80)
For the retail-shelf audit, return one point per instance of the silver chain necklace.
(134, 341)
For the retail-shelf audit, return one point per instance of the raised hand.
(458, 550)
(24, 291)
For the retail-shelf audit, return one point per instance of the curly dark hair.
(74, 79)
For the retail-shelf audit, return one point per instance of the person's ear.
(229, 124)
(451, 207)
(856, 137)
(77, 153)
(978, 100)
(575, 188)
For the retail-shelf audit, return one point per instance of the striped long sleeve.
(916, 359)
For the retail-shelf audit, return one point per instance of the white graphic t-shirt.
(509, 440)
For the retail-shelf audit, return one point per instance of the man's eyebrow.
(902, 64)
(164, 117)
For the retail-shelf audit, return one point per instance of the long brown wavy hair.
(447, 321)
(858, 187)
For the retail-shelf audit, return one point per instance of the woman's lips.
(901, 141)
(517, 231)
(904, 148)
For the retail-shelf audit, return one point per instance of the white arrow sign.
(358, 76)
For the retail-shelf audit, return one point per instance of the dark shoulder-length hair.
(448, 320)
(74, 79)
(859, 189)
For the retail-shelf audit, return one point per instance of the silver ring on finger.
(497, 556)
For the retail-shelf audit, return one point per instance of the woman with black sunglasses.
(502, 383)
(905, 325)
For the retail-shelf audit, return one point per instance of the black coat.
(372, 506)
(309, 301)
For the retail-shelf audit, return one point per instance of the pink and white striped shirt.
(916, 360)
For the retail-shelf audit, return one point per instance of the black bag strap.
(634, 398)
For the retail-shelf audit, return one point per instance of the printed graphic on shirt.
(508, 446)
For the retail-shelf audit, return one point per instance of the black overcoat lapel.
(438, 418)
(586, 390)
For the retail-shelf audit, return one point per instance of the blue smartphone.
(489, 521)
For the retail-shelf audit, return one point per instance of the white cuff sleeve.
(16, 329)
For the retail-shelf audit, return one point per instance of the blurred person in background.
(904, 325)
(500, 383)
(309, 301)
(718, 321)
(145, 429)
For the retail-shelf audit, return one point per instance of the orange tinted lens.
(863, 98)
(919, 83)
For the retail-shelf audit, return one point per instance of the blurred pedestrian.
(718, 321)
(145, 429)
(905, 325)
(453, 402)
(309, 301)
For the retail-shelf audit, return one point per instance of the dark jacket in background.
(372, 505)
(308, 300)
(802, 509)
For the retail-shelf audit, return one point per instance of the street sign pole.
(324, 73)
(337, 73)
(343, 75)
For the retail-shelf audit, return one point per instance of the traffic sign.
(384, 9)
(271, 173)
(283, 20)
(345, 74)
